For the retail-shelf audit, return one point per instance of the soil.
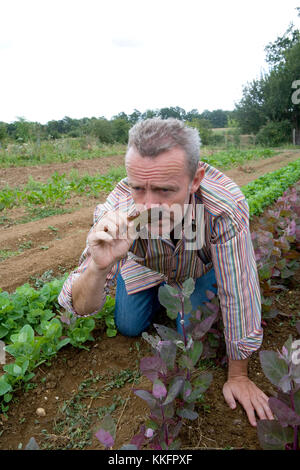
(59, 386)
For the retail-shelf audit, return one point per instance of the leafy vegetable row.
(33, 331)
(266, 189)
(59, 188)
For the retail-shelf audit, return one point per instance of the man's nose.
(150, 201)
(150, 205)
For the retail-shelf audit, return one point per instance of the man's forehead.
(175, 153)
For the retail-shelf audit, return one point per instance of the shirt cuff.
(65, 297)
(244, 347)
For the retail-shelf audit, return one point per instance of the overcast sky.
(84, 58)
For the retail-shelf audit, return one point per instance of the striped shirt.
(227, 247)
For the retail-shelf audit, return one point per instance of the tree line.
(109, 131)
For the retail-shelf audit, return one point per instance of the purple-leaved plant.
(177, 385)
(283, 371)
(277, 249)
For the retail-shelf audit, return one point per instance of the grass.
(61, 150)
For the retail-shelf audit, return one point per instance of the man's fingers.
(229, 398)
(267, 409)
(108, 227)
(250, 413)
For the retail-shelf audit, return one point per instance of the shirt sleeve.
(238, 285)
(65, 296)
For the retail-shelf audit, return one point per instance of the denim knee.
(134, 313)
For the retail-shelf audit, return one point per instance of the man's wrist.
(94, 268)
(237, 368)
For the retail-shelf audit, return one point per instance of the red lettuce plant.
(283, 371)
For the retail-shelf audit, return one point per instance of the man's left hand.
(249, 396)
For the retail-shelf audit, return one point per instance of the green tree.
(249, 112)
(204, 128)
(120, 128)
(269, 99)
(3, 131)
(102, 128)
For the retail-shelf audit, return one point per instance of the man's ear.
(199, 175)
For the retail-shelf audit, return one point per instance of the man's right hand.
(110, 239)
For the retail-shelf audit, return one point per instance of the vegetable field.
(79, 371)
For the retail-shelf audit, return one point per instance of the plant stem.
(183, 330)
(165, 426)
(182, 318)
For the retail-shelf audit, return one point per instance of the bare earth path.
(57, 242)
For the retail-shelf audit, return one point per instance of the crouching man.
(163, 170)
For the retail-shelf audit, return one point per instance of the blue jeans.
(134, 313)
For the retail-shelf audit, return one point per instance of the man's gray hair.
(154, 136)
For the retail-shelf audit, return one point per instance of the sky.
(84, 58)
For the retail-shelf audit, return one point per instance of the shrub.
(274, 133)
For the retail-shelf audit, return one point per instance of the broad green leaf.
(196, 352)
(186, 362)
(3, 331)
(274, 367)
(272, 436)
(159, 389)
(265, 272)
(186, 413)
(174, 390)
(111, 332)
(167, 333)
(13, 369)
(7, 397)
(285, 415)
(187, 305)
(63, 343)
(145, 395)
(167, 351)
(203, 381)
(297, 402)
(188, 287)
(4, 386)
(196, 395)
(187, 390)
(172, 304)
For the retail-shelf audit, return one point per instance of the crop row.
(59, 188)
(230, 158)
(261, 192)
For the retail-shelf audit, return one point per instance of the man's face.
(161, 181)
